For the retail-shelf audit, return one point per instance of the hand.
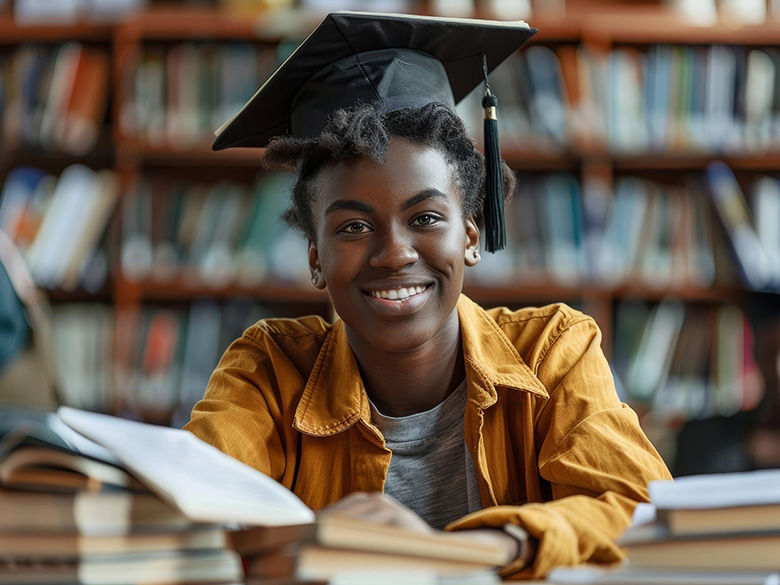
(379, 508)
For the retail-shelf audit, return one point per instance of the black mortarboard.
(399, 60)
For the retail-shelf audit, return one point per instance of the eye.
(355, 227)
(426, 219)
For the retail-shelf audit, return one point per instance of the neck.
(406, 382)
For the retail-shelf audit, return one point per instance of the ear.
(314, 266)
(471, 253)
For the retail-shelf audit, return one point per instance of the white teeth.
(398, 294)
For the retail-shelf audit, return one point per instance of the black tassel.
(493, 210)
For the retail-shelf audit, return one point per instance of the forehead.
(407, 169)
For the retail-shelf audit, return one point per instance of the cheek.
(340, 261)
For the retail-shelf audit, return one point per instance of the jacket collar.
(490, 361)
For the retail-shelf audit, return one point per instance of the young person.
(504, 423)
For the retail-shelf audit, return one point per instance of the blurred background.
(646, 140)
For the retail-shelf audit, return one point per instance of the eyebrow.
(423, 195)
(348, 204)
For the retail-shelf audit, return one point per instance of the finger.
(358, 502)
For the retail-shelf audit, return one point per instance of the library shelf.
(192, 23)
(13, 33)
(644, 27)
(523, 157)
(58, 295)
(548, 291)
(101, 155)
(695, 161)
(197, 154)
(161, 29)
(519, 157)
(184, 289)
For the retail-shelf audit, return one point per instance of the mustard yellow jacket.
(555, 450)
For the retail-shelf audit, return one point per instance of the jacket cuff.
(558, 542)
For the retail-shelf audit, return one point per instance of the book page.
(204, 483)
(718, 490)
(79, 442)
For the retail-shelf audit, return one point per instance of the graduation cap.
(398, 60)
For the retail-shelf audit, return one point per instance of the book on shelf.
(59, 12)
(620, 242)
(211, 234)
(685, 361)
(59, 97)
(16, 204)
(626, 122)
(548, 100)
(152, 363)
(562, 223)
(765, 203)
(200, 354)
(136, 219)
(82, 340)
(78, 126)
(155, 388)
(58, 223)
(732, 206)
(688, 387)
(175, 94)
(649, 368)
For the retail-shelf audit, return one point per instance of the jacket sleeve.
(241, 412)
(592, 453)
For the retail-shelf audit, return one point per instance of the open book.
(81, 450)
(200, 480)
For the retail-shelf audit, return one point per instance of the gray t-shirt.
(431, 469)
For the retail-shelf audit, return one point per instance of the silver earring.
(315, 279)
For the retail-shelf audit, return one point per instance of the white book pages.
(718, 490)
(204, 483)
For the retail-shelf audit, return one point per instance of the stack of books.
(88, 498)
(705, 529)
(720, 521)
(338, 547)
(81, 517)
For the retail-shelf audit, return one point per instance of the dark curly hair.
(364, 130)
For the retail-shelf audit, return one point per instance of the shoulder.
(274, 340)
(540, 324)
(281, 328)
(552, 337)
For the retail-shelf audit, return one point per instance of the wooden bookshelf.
(12, 33)
(586, 159)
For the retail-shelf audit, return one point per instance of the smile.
(397, 294)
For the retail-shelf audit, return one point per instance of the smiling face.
(391, 243)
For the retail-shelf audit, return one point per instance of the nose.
(393, 250)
